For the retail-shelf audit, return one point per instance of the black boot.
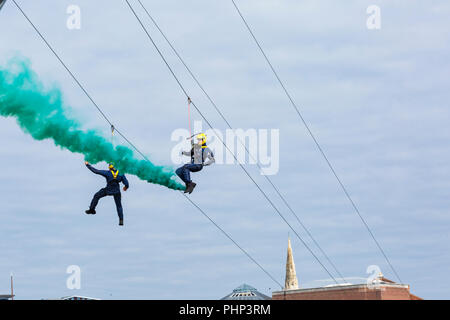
(90, 211)
(190, 187)
(121, 222)
(186, 190)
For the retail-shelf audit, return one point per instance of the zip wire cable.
(78, 82)
(114, 129)
(218, 227)
(209, 124)
(62, 62)
(243, 144)
(315, 140)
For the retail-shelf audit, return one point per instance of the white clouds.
(378, 103)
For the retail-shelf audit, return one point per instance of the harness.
(115, 174)
(204, 146)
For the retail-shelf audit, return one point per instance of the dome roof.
(245, 292)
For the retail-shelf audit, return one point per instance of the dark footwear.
(187, 186)
(90, 211)
(191, 187)
(121, 222)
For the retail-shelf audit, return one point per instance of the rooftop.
(341, 287)
(379, 289)
(73, 298)
(245, 292)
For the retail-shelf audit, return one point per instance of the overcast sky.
(377, 100)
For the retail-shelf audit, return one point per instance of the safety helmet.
(201, 137)
(111, 166)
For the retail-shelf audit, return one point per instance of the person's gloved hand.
(125, 188)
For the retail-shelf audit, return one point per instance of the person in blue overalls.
(199, 153)
(113, 180)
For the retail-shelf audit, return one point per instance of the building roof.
(245, 292)
(379, 290)
(78, 298)
(338, 287)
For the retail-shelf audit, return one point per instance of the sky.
(376, 100)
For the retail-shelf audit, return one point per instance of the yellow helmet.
(111, 166)
(201, 137)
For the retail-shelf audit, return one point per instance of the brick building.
(379, 289)
(382, 291)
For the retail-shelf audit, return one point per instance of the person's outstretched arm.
(96, 171)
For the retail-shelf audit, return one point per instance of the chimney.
(291, 281)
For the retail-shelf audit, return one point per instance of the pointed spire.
(291, 281)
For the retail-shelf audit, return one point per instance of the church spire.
(291, 281)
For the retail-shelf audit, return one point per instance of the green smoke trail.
(42, 114)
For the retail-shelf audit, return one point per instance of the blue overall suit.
(112, 189)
